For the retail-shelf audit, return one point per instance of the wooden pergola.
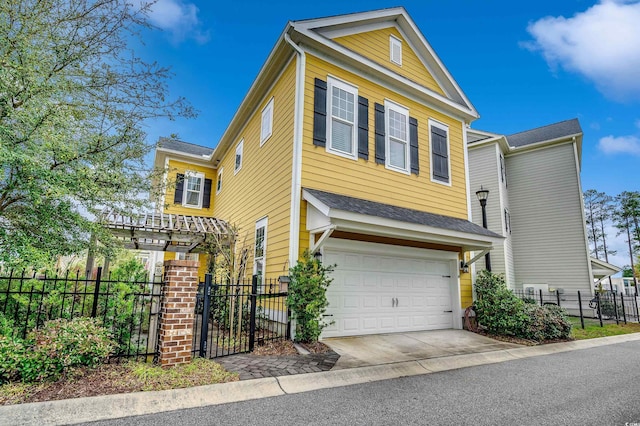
(165, 232)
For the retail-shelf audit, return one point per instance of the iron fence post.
(206, 308)
(558, 297)
(252, 317)
(624, 311)
(599, 310)
(541, 302)
(615, 308)
(581, 315)
(96, 293)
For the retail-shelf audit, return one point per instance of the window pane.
(193, 183)
(193, 198)
(342, 104)
(259, 242)
(397, 125)
(238, 161)
(397, 156)
(341, 136)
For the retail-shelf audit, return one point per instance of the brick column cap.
(188, 264)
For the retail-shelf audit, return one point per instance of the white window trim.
(433, 123)
(259, 224)
(239, 147)
(187, 256)
(187, 175)
(393, 40)
(219, 181)
(266, 111)
(331, 82)
(389, 105)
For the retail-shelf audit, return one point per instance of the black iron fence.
(605, 306)
(129, 309)
(233, 318)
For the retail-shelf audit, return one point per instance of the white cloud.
(601, 43)
(179, 18)
(620, 145)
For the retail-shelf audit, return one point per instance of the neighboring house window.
(507, 221)
(219, 181)
(342, 118)
(397, 131)
(395, 47)
(192, 190)
(439, 152)
(238, 165)
(266, 128)
(186, 256)
(259, 255)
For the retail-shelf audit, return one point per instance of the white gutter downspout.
(296, 170)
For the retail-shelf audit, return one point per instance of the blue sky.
(522, 65)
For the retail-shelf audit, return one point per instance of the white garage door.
(384, 289)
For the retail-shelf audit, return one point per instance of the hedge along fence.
(128, 309)
(501, 312)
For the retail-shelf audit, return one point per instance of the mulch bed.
(286, 347)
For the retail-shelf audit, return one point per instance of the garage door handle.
(448, 311)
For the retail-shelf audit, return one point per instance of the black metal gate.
(232, 318)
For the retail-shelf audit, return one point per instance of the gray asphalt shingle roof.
(186, 147)
(545, 133)
(371, 208)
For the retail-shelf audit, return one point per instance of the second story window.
(219, 181)
(342, 118)
(239, 150)
(193, 189)
(266, 126)
(397, 130)
(395, 47)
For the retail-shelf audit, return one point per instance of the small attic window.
(395, 47)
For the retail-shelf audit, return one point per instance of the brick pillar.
(177, 307)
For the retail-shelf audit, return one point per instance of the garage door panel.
(366, 286)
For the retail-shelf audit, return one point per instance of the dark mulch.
(519, 341)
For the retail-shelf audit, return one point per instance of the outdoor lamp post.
(482, 195)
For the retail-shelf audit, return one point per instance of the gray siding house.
(535, 202)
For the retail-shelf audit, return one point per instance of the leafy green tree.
(73, 99)
(626, 218)
(598, 211)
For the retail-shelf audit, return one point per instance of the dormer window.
(395, 47)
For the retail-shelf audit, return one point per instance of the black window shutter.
(177, 198)
(206, 197)
(379, 130)
(413, 144)
(363, 128)
(439, 154)
(320, 113)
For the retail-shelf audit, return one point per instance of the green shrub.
(307, 296)
(500, 312)
(51, 351)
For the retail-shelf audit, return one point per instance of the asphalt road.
(598, 386)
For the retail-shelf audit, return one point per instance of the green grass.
(593, 330)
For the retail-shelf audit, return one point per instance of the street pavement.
(596, 386)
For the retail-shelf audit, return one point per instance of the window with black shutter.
(439, 153)
(177, 197)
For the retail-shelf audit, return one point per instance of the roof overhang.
(601, 269)
(321, 217)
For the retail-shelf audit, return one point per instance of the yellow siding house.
(351, 142)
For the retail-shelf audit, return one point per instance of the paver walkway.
(255, 367)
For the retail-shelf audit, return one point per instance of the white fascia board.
(500, 140)
(204, 158)
(319, 205)
(605, 266)
(469, 114)
(544, 144)
(349, 19)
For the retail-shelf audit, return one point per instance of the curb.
(81, 410)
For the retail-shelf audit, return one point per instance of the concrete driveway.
(377, 349)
